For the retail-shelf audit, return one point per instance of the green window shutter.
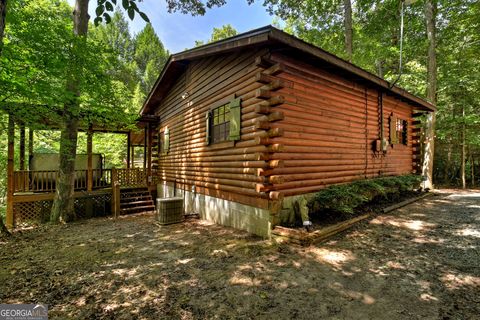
(235, 119)
(208, 124)
(167, 141)
(393, 129)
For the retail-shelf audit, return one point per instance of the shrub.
(345, 198)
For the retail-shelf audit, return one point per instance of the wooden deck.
(96, 192)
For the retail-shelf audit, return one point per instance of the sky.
(179, 32)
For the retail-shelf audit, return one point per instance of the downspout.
(383, 144)
(380, 106)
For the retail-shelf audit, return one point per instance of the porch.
(98, 191)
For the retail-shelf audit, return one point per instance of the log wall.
(302, 129)
(228, 170)
(329, 129)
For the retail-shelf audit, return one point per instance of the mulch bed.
(327, 224)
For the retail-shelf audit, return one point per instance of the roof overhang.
(177, 63)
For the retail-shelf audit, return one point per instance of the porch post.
(128, 150)
(22, 147)
(132, 156)
(145, 148)
(149, 156)
(115, 193)
(89, 159)
(10, 221)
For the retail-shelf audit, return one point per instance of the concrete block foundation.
(221, 211)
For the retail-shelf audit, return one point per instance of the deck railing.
(134, 177)
(45, 181)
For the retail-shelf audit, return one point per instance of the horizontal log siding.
(329, 128)
(224, 170)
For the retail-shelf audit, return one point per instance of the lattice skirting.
(85, 207)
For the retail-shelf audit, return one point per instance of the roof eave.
(271, 34)
(254, 37)
(299, 44)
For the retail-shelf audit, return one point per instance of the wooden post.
(10, 167)
(132, 155)
(89, 159)
(145, 148)
(149, 155)
(115, 193)
(128, 150)
(22, 147)
(30, 144)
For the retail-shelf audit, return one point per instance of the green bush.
(345, 198)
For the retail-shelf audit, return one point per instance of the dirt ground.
(419, 262)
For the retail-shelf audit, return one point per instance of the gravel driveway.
(418, 262)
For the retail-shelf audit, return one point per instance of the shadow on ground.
(419, 262)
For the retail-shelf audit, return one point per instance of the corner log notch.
(417, 134)
(267, 115)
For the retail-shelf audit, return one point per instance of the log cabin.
(250, 121)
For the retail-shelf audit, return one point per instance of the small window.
(223, 121)
(220, 124)
(398, 130)
(401, 131)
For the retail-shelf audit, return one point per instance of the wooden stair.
(136, 200)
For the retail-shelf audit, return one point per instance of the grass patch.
(345, 198)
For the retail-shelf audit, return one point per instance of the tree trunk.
(472, 167)
(473, 172)
(3, 13)
(379, 65)
(463, 149)
(347, 21)
(430, 17)
(10, 219)
(3, 228)
(448, 164)
(63, 203)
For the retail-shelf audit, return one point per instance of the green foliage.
(39, 58)
(111, 146)
(106, 7)
(225, 31)
(32, 65)
(344, 198)
(35, 65)
(150, 56)
(194, 7)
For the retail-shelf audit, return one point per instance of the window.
(398, 131)
(223, 121)
(401, 131)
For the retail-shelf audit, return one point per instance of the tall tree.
(150, 56)
(31, 72)
(3, 13)
(63, 204)
(116, 36)
(323, 23)
(430, 19)
(348, 25)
